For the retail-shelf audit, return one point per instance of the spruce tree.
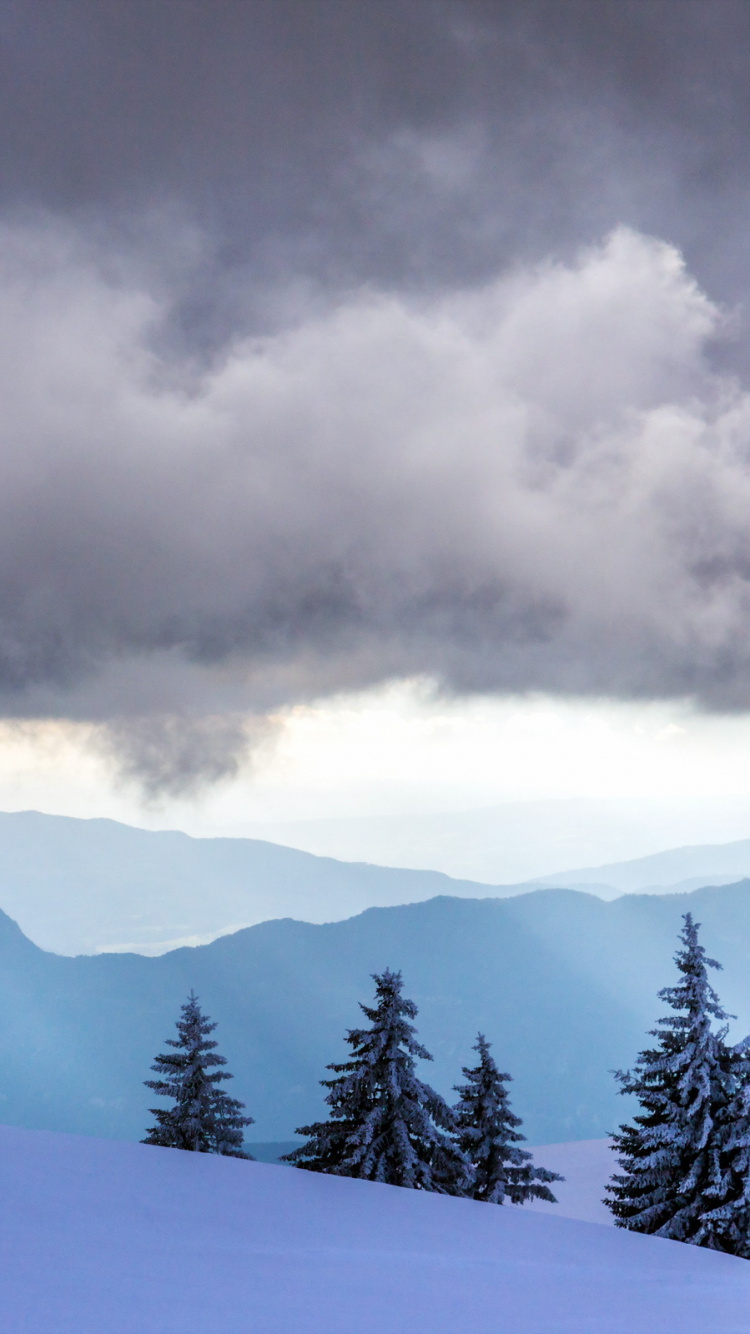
(672, 1177)
(488, 1134)
(385, 1124)
(726, 1220)
(203, 1119)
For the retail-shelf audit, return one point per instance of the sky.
(376, 405)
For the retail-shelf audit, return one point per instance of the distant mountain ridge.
(564, 985)
(676, 870)
(524, 840)
(84, 886)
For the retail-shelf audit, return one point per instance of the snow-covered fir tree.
(385, 1123)
(488, 1134)
(726, 1220)
(203, 1118)
(672, 1179)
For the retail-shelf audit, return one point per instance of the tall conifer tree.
(488, 1134)
(725, 1224)
(385, 1124)
(203, 1118)
(670, 1156)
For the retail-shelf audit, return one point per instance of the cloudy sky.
(375, 387)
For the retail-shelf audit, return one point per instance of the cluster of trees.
(685, 1158)
(385, 1124)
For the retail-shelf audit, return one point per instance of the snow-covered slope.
(98, 1237)
(585, 1164)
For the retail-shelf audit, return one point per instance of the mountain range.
(676, 871)
(561, 982)
(86, 886)
(83, 886)
(515, 842)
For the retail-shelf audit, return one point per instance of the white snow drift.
(105, 1238)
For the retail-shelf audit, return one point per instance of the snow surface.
(99, 1237)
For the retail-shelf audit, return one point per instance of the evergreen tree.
(672, 1178)
(488, 1135)
(385, 1124)
(203, 1119)
(726, 1220)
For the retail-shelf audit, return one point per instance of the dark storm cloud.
(174, 753)
(306, 380)
(519, 485)
(407, 142)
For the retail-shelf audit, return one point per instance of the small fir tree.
(385, 1124)
(672, 1177)
(203, 1119)
(488, 1135)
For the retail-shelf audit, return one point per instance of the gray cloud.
(539, 482)
(315, 370)
(174, 754)
(412, 143)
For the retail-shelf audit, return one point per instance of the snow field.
(99, 1237)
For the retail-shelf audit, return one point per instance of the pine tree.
(488, 1135)
(385, 1124)
(672, 1177)
(204, 1119)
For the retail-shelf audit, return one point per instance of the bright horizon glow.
(398, 750)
